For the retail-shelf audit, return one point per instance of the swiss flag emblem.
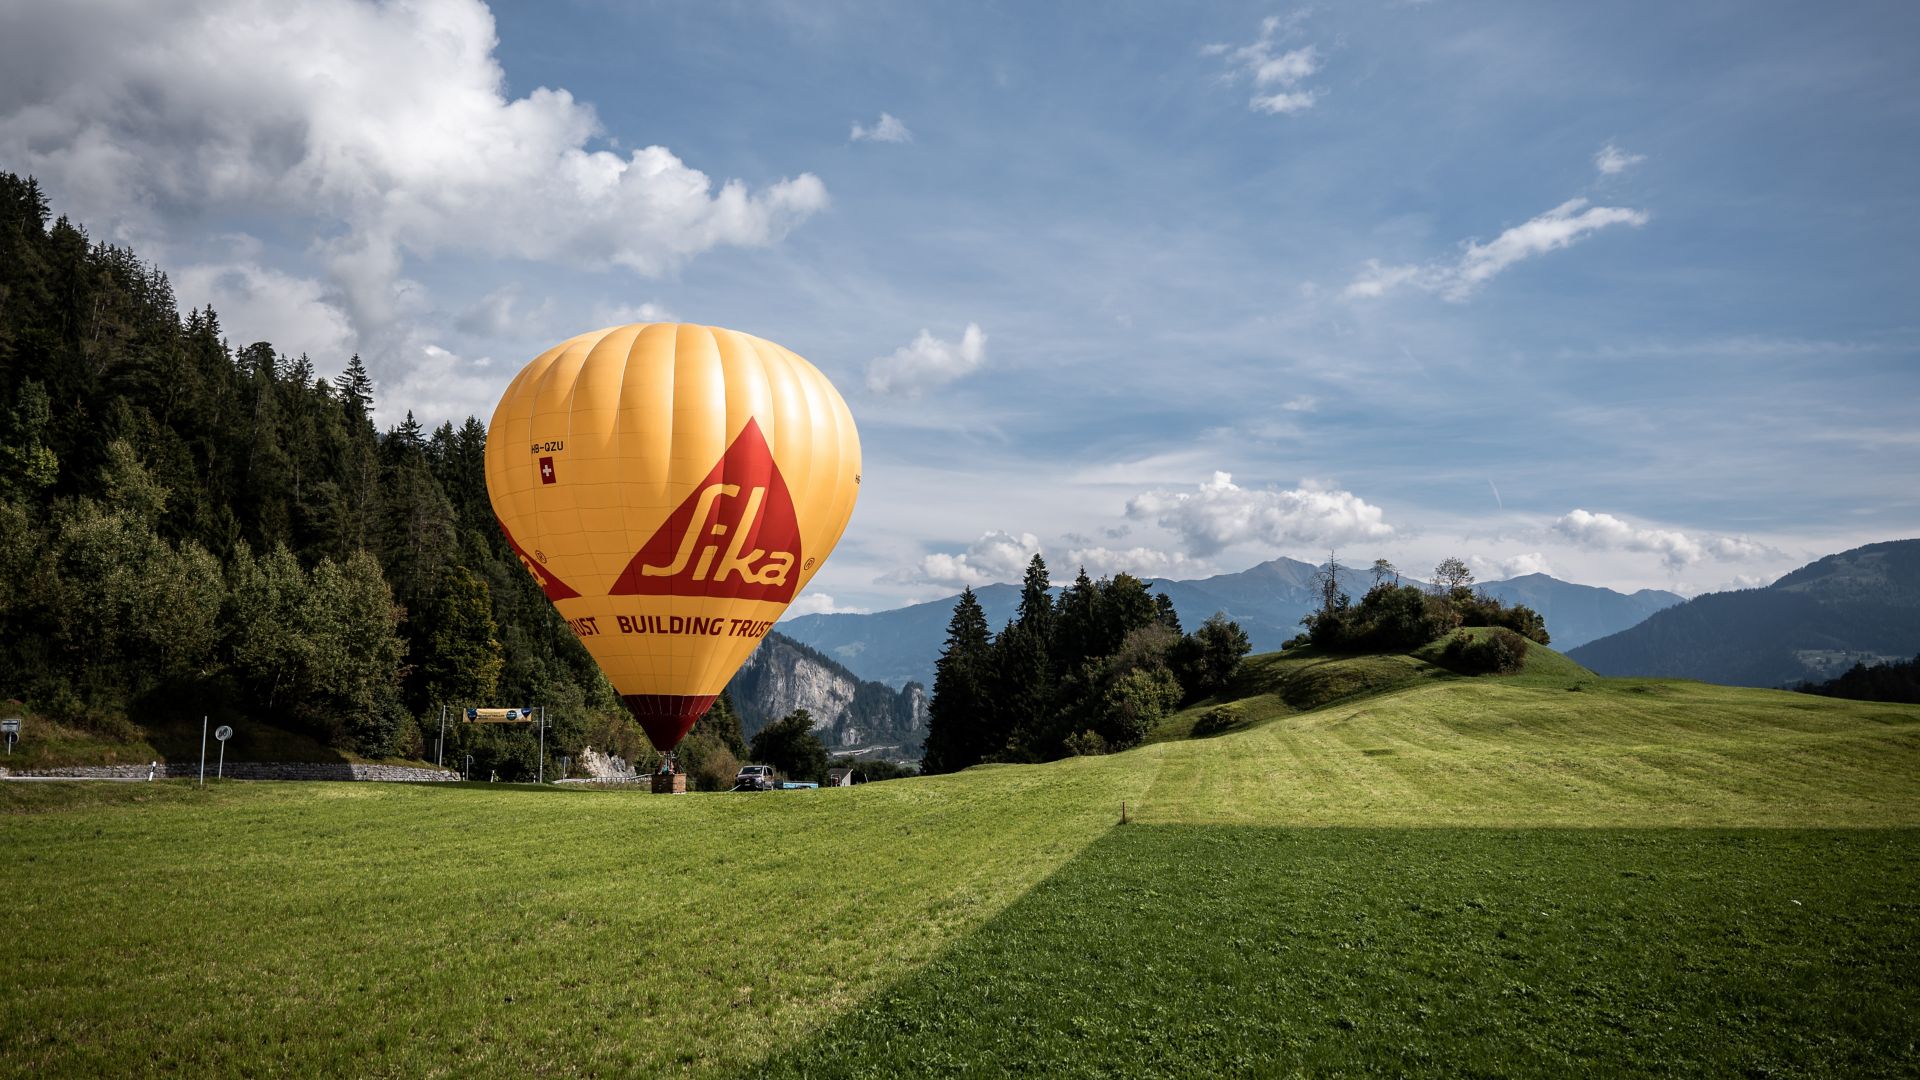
(735, 536)
(547, 475)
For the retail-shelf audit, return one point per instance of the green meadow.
(1378, 867)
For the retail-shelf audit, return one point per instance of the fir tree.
(961, 685)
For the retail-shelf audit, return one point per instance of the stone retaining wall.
(253, 770)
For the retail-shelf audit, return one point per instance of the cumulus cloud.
(1141, 562)
(1676, 549)
(1221, 513)
(996, 556)
(888, 128)
(434, 381)
(927, 362)
(1459, 278)
(501, 312)
(1611, 160)
(258, 303)
(389, 124)
(1276, 75)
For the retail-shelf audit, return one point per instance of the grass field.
(1382, 868)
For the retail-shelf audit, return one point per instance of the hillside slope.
(1862, 604)
(1398, 739)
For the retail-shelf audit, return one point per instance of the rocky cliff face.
(849, 715)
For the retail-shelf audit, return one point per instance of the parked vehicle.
(755, 778)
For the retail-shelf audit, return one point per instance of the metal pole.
(440, 751)
(222, 774)
(542, 775)
(203, 751)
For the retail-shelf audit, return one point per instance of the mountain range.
(899, 646)
(1861, 605)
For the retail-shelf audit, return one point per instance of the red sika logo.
(552, 586)
(735, 537)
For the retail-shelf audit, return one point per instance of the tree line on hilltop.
(188, 528)
(1088, 673)
(1396, 617)
(1096, 669)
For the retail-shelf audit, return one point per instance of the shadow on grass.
(1191, 950)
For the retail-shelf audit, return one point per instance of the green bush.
(1501, 652)
(1216, 720)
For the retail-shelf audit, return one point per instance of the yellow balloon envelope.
(671, 487)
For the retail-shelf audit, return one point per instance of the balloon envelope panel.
(671, 487)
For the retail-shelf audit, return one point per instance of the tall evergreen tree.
(962, 684)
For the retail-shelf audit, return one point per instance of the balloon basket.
(670, 784)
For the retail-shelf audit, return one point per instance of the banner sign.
(499, 716)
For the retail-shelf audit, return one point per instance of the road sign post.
(11, 726)
(440, 751)
(223, 733)
(203, 751)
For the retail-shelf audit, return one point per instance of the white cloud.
(1141, 562)
(1478, 263)
(996, 556)
(1675, 548)
(387, 124)
(1303, 403)
(1611, 160)
(1276, 76)
(927, 362)
(1221, 513)
(436, 382)
(888, 129)
(503, 312)
(623, 314)
(816, 603)
(1513, 566)
(257, 303)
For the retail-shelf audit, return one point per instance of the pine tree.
(356, 389)
(961, 685)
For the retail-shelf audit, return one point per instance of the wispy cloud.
(1459, 278)
(888, 129)
(927, 362)
(1611, 160)
(1277, 76)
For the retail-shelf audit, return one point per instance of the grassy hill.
(1382, 867)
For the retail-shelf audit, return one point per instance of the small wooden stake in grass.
(1123, 811)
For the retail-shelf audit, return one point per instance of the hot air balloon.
(671, 487)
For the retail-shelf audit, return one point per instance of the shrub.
(1216, 720)
(1086, 744)
(1501, 652)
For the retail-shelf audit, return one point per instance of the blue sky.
(1621, 292)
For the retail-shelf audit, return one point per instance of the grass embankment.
(414, 930)
(48, 744)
